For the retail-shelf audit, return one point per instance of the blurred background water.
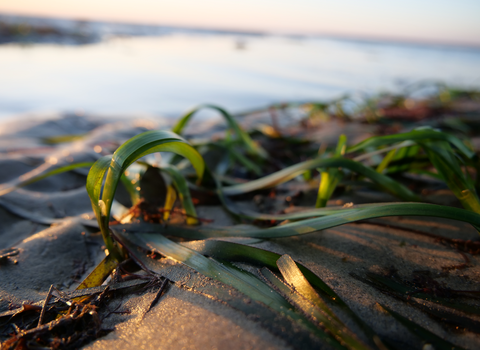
(123, 70)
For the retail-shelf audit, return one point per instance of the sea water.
(168, 74)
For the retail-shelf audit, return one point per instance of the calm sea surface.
(167, 75)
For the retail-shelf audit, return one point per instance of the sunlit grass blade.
(330, 178)
(289, 173)
(328, 182)
(260, 257)
(425, 335)
(244, 253)
(183, 193)
(242, 281)
(341, 145)
(386, 161)
(251, 146)
(38, 174)
(317, 224)
(208, 267)
(132, 150)
(99, 274)
(294, 335)
(294, 277)
(170, 199)
(338, 330)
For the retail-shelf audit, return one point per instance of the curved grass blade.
(317, 224)
(415, 135)
(132, 150)
(406, 159)
(424, 334)
(243, 253)
(242, 281)
(437, 146)
(298, 337)
(38, 174)
(253, 215)
(338, 330)
(375, 153)
(94, 189)
(231, 207)
(289, 173)
(157, 141)
(208, 267)
(232, 123)
(443, 159)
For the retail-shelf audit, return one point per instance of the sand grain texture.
(63, 253)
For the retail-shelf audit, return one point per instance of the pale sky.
(444, 21)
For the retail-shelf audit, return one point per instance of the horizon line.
(300, 34)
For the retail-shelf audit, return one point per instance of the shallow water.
(168, 74)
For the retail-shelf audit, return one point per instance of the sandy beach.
(47, 223)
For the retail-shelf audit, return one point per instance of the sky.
(438, 21)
